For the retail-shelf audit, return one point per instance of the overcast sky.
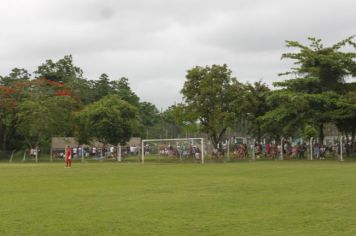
(154, 42)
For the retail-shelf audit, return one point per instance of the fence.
(245, 149)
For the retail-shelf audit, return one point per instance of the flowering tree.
(33, 110)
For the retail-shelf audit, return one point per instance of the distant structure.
(59, 143)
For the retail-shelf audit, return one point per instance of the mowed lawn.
(261, 198)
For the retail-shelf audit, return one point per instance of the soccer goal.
(179, 149)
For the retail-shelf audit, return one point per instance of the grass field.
(261, 198)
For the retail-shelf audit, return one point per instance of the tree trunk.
(1, 136)
(216, 139)
(352, 140)
(259, 134)
(321, 133)
(4, 141)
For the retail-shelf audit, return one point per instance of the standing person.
(316, 151)
(301, 150)
(268, 149)
(294, 150)
(75, 152)
(68, 157)
(274, 151)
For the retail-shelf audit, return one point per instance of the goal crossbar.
(172, 139)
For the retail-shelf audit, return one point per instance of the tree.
(311, 98)
(61, 79)
(330, 65)
(63, 71)
(175, 122)
(41, 117)
(102, 87)
(291, 111)
(345, 116)
(109, 120)
(147, 117)
(257, 106)
(29, 104)
(213, 98)
(16, 74)
(148, 114)
(8, 102)
(122, 88)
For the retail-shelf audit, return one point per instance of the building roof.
(62, 142)
(134, 141)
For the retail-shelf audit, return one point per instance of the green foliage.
(256, 106)
(148, 114)
(310, 85)
(309, 131)
(104, 86)
(16, 74)
(323, 91)
(212, 97)
(62, 71)
(345, 114)
(30, 107)
(146, 119)
(330, 64)
(41, 117)
(316, 97)
(109, 120)
(178, 122)
(55, 81)
(122, 88)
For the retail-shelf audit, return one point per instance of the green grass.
(261, 198)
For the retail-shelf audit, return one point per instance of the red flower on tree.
(63, 93)
(7, 98)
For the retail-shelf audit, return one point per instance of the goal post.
(202, 150)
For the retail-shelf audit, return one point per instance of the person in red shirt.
(68, 157)
(268, 149)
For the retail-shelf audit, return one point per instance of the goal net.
(181, 149)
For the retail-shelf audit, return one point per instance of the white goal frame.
(174, 139)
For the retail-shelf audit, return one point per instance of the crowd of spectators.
(181, 150)
(299, 150)
(106, 152)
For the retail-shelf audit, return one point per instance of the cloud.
(154, 42)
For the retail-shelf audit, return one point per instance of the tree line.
(56, 100)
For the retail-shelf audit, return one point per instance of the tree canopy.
(109, 120)
(314, 97)
(33, 108)
(57, 100)
(212, 96)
